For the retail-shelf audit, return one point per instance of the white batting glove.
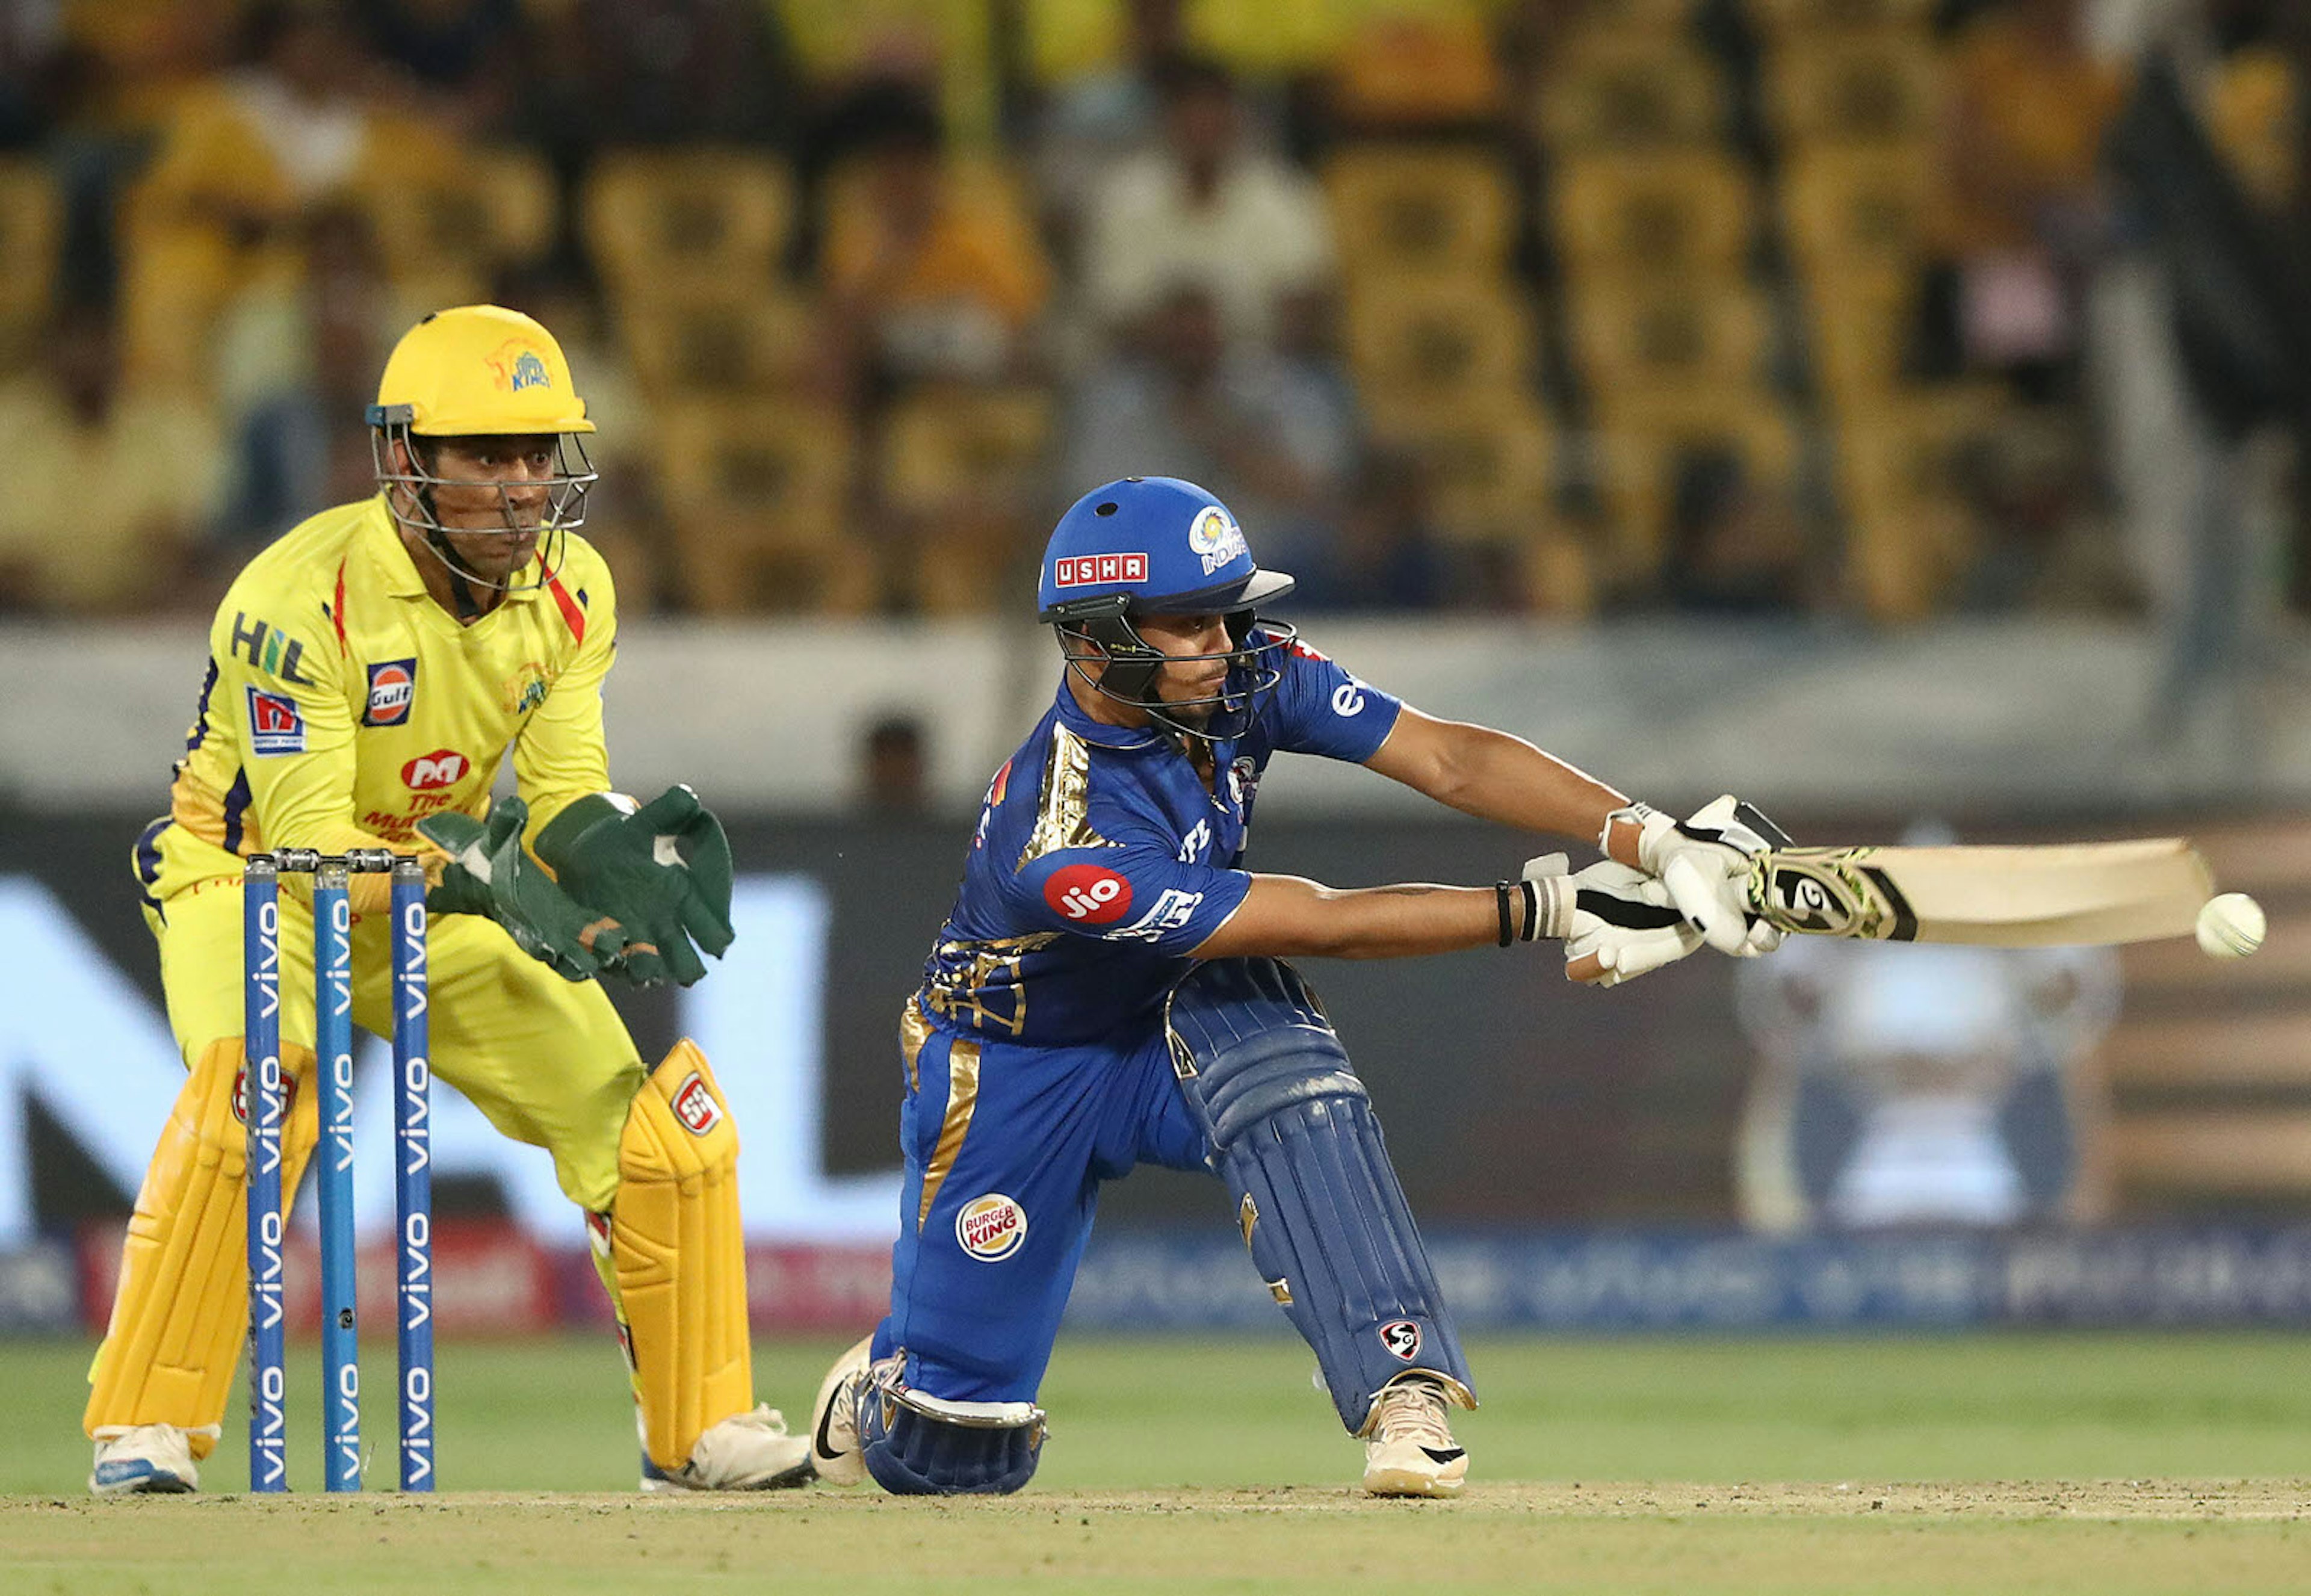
(1617, 923)
(1705, 864)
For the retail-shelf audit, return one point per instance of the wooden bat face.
(2067, 894)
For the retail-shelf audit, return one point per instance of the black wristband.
(1531, 909)
(1500, 897)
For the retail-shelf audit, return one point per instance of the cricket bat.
(2066, 894)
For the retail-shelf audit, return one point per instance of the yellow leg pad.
(679, 1257)
(181, 1311)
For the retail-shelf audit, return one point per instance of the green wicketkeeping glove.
(662, 871)
(490, 873)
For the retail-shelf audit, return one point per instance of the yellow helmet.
(477, 370)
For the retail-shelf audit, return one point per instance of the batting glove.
(1705, 864)
(1617, 923)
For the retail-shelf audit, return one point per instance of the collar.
(1099, 733)
(382, 534)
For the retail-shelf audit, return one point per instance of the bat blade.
(2066, 894)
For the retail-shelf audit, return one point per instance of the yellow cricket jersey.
(343, 704)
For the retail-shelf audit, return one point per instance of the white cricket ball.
(2231, 927)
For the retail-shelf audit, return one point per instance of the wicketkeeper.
(1111, 989)
(369, 675)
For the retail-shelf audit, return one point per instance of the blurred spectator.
(1091, 124)
(1383, 552)
(926, 278)
(109, 484)
(465, 54)
(1259, 430)
(1207, 209)
(2021, 215)
(296, 369)
(1735, 547)
(303, 122)
(32, 69)
(893, 768)
(2049, 553)
(656, 72)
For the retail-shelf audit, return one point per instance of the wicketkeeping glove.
(1705, 864)
(1617, 923)
(490, 873)
(663, 871)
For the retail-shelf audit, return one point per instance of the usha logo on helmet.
(1215, 537)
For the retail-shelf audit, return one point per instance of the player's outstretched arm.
(1616, 922)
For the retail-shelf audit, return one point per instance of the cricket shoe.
(835, 1418)
(746, 1452)
(146, 1460)
(1409, 1451)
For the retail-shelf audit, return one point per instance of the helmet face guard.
(409, 498)
(1133, 667)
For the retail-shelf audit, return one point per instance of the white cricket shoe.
(133, 1459)
(746, 1452)
(1410, 1451)
(835, 1418)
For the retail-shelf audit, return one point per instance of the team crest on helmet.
(1215, 537)
(518, 368)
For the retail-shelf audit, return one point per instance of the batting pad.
(679, 1258)
(180, 1310)
(1317, 1200)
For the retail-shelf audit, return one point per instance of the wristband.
(1531, 909)
(1501, 900)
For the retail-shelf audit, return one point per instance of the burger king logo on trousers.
(991, 1227)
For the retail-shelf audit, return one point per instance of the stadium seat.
(1880, 86)
(756, 491)
(1488, 462)
(1647, 337)
(29, 228)
(1791, 17)
(728, 338)
(1863, 322)
(447, 229)
(943, 447)
(1903, 471)
(1860, 208)
(1416, 344)
(1643, 438)
(1410, 207)
(1654, 213)
(658, 219)
(1630, 90)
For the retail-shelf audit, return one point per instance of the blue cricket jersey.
(1102, 861)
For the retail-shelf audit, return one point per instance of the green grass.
(1177, 1465)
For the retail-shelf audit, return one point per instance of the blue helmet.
(1156, 545)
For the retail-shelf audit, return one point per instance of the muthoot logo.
(991, 1227)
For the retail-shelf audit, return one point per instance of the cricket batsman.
(1111, 989)
(369, 675)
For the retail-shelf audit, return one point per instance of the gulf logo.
(1088, 895)
(392, 693)
(990, 1228)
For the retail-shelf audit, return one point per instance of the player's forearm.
(1501, 778)
(1286, 916)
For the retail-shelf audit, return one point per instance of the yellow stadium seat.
(28, 226)
(1863, 208)
(658, 219)
(1649, 336)
(446, 229)
(758, 493)
(1903, 471)
(1631, 91)
(1864, 322)
(728, 339)
(1640, 440)
(1488, 461)
(1881, 86)
(1654, 213)
(1409, 207)
(1415, 344)
(1789, 17)
(943, 448)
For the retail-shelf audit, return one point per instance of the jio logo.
(1088, 895)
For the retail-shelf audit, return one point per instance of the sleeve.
(560, 755)
(284, 689)
(1320, 709)
(1130, 892)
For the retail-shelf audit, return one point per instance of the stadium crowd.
(1568, 307)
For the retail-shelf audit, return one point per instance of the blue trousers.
(1005, 1149)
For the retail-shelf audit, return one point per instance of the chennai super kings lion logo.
(517, 366)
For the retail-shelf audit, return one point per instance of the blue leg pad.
(1293, 1135)
(915, 1446)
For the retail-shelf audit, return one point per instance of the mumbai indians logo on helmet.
(991, 1227)
(518, 367)
(1215, 536)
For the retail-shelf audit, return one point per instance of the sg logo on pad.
(694, 1105)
